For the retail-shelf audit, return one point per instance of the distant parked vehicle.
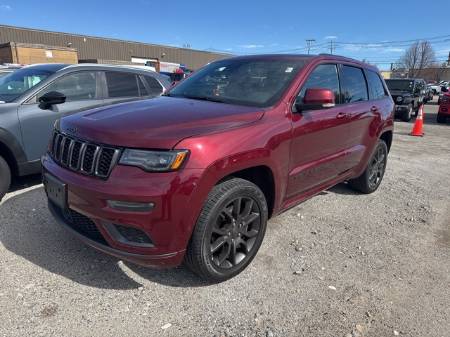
(444, 90)
(34, 97)
(428, 94)
(408, 95)
(438, 86)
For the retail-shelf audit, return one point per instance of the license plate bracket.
(56, 190)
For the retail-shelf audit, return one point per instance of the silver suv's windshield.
(20, 81)
(252, 82)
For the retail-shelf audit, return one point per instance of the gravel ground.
(340, 264)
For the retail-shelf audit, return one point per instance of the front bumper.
(169, 224)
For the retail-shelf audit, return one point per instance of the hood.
(158, 123)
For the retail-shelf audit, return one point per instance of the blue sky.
(246, 27)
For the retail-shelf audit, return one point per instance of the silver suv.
(34, 97)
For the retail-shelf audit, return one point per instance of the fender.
(17, 155)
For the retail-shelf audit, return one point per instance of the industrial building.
(24, 45)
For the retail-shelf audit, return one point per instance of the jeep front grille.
(82, 156)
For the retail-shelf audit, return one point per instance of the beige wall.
(37, 55)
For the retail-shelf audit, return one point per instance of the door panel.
(320, 150)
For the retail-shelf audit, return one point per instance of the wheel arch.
(387, 136)
(260, 175)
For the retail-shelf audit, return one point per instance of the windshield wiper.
(204, 98)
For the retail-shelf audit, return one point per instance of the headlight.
(399, 99)
(160, 161)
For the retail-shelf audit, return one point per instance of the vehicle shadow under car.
(28, 230)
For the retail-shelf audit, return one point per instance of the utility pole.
(331, 46)
(309, 42)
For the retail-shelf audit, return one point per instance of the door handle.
(341, 115)
(374, 109)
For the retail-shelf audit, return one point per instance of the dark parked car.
(195, 175)
(408, 95)
(34, 97)
(444, 108)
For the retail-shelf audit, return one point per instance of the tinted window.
(76, 87)
(376, 89)
(256, 82)
(154, 86)
(121, 84)
(353, 85)
(325, 77)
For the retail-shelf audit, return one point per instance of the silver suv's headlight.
(159, 161)
(399, 99)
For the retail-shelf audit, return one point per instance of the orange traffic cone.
(418, 125)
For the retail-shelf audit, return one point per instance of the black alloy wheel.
(234, 232)
(377, 167)
(229, 230)
(370, 179)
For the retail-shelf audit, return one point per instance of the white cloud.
(394, 50)
(330, 37)
(5, 7)
(251, 46)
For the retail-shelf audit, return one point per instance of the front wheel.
(372, 176)
(407, 114)
(229, 230)
(5, 177)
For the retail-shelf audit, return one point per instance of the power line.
(309, 43)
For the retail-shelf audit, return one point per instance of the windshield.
(244, 82)
(20, 81)
(403, 85)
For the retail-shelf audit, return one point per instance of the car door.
(319, 137)
(81, 89)
(360, 111)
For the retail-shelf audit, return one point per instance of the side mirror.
(316, 98)
(51, 98)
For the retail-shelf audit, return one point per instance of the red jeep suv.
(195, 175)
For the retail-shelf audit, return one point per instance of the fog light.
(129, 235)
(127, 206)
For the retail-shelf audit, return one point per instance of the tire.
(5, 177)
(406, 115)
(365, 183)
(218, 232)
(441, 118)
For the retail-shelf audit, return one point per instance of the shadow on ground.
(28, 231)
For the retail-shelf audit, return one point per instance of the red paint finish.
(306, 152)
(444, 107)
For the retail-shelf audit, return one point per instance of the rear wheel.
(441, 118)
(5, 177)
(370, 180)
(407, 114)
(229, 231)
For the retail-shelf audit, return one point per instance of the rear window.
(376, 88)
(121, 84)
(353, 85)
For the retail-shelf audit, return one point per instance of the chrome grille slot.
(82, 156)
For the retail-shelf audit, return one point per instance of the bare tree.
(419, 56)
